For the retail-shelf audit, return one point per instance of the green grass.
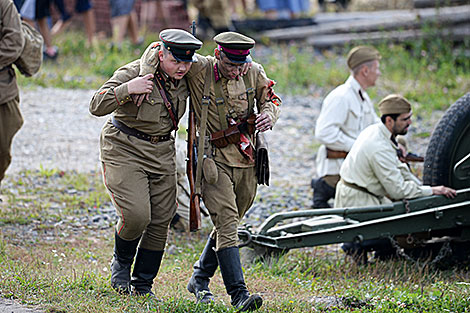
(431, 73)
(51, 263)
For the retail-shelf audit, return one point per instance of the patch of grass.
(65, 268)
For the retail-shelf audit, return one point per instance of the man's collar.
(388, 134)
(356, 87)
(166, 77)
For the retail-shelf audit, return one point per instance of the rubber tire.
(445, 140)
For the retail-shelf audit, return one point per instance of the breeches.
(10, 122)
(228, 200)
(145, 203)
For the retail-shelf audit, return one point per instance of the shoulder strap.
(206, 99)
(158, 78)
(220, 99)
(250, 94)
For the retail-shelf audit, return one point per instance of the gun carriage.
(427, 224)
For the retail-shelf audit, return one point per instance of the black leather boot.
(147, 264)
(204, 269)
(124, 253)
(232, 274)
(322, 192)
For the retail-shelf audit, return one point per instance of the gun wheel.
(450, 143)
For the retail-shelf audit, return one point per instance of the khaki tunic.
(11, 46)
(139, 175)
(233, 194)
(373, 164)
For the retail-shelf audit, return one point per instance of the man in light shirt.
(372, 173)
(345, 112)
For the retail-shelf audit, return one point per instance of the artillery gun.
(429, 226)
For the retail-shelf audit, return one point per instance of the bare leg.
(133, 28)
(46, 34)
(147, 14)
(90, 25)
(119, 24)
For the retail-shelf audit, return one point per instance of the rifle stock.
(194, 201)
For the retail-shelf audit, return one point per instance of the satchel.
(30, 59)
(262, 159)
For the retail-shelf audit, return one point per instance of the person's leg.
(64, 21)
(120, 14)
(223, 200)
(129, 192)
(322, 192)
(119, 28)
(152, 246)
(147, 14)
(133, 28)
(204, 270)
(84, 8)
(11, 121)
(42, 15)
(90, 26)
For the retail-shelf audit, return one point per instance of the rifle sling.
(220, 98)
(202, 130)
(160, 82)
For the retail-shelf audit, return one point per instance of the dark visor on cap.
(237, 55)
(182, 55)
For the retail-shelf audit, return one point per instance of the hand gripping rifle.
(191, 162)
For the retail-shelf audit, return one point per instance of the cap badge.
(188, 52)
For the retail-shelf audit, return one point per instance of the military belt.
(357, 187)
(334, 154)
(137, 133)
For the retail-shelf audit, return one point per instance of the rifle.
(191, 162)
(409, 157)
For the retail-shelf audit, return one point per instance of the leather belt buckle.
(154, 139)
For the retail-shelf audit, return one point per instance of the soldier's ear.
(217, 53)
(160, 55)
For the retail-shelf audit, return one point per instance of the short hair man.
(138, 154)
(11, 45)
(232, 100)
(372, 174)
(345, 112)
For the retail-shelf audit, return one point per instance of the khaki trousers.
(145, 203)
(228, 200)
(10, 122)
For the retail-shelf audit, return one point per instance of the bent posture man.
(345, 112)
(372, 174)
(229, 191)
(138, 154)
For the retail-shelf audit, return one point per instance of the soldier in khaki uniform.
(138, 154)
(11, 45)
(229, 188)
